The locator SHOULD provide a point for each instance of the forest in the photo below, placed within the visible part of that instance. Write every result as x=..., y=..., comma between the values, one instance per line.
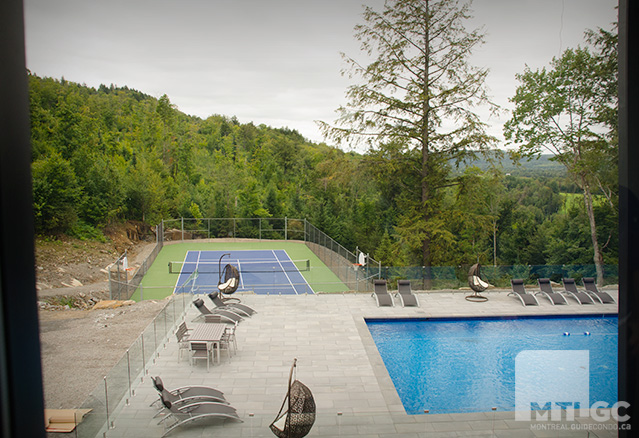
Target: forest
x=432, y=189
x=114, y=154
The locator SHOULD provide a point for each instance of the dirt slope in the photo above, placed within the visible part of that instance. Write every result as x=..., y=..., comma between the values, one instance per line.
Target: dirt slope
x=79, y=345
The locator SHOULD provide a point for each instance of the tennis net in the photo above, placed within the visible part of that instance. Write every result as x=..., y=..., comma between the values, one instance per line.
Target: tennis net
x=189, y=286
x=252, y=266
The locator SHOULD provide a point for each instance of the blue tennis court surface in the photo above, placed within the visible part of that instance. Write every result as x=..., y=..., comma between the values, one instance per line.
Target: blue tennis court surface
x=261, y=271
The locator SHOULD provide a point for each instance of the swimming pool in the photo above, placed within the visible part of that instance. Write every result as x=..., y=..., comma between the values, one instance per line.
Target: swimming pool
x=468, y=365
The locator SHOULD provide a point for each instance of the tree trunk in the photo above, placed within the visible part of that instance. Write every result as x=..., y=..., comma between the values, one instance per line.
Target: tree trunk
x=597, y=256
x=426, y=256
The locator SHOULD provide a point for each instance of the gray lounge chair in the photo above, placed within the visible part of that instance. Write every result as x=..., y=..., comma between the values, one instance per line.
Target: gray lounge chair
x=570, y=289
x=187, y=394
x=383, y=298
x=546, y=290
x=225, y=315
x=519, y=291
x=242, y=309
x=591, y=288
x=405, y=294
x=195, y=411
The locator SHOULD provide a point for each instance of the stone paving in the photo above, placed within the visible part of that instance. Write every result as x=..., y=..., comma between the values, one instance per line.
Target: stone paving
x=338, y=360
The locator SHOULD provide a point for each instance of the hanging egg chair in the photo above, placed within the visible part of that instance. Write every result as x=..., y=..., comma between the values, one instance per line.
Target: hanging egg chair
x=229, y=279
x=476, y=284
x=297, y=414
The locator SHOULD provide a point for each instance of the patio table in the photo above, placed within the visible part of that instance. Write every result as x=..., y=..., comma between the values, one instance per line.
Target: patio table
x=209, y=332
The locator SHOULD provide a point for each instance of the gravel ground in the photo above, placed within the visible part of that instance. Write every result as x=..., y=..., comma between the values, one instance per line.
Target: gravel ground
x=80, y=346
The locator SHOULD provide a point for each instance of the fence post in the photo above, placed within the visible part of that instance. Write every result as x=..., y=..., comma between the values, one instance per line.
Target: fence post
x=285, y=228
x=260, y=227
x=182, y=226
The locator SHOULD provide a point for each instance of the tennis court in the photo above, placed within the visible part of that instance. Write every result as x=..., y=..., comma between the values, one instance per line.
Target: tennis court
x=261, y=271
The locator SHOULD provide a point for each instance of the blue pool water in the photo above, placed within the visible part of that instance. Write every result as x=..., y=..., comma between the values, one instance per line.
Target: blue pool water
x=468, y=365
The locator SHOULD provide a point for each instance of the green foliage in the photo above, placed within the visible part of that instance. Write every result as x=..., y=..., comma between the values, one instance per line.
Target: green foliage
x=84, y=231
x=569, y=110
x=116, y=154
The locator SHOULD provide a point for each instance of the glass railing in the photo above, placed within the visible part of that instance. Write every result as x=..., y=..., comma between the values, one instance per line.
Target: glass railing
x=118, y=386
x=455, y=277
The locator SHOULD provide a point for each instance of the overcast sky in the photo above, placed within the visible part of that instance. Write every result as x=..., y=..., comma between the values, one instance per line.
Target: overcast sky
x=272, y=62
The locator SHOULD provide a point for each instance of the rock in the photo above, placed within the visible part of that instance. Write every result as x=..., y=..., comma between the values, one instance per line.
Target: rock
x=41, y=285
x=76, y=283
x=112, y=304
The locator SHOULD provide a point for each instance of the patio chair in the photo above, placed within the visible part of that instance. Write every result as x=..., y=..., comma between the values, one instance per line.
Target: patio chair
x=182, y=335
x=225, y=315
x=298, y=418
x=226, y=343
x=405, y=294
x=570, y=289
x=591, y=288
x=186, y=394
x=242, y=309
x=195, y=411
x=201, y=350
x=476, y=284
x=545, y=288
x=383, y=298
x=519, y=291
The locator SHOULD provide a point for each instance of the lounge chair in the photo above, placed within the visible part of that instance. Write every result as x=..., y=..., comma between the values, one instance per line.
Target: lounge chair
x=383, y=298
x=546, y=290
x=405, y=294
x=520, y=292
x=591, y=288
x=225, y=315
x=570, y=289
x=242, y=309
x=187, y=394
x=195, y=411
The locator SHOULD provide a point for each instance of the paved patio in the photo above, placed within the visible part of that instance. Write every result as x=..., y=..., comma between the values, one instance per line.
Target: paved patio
x=338, y=361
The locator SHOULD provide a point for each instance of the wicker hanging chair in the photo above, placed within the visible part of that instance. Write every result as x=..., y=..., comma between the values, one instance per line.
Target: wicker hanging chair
x=476, y=284
x=297, y=419
x=229, y=279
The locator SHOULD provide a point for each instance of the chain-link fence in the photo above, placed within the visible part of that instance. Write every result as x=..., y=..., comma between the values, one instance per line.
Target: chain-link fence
x=356, y=271
x=123, y=279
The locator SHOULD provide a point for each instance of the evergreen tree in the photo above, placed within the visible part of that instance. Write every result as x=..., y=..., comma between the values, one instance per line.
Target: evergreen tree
x=416, y=100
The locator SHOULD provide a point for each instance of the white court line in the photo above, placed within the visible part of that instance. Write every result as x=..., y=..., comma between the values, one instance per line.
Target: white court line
x=239, y=268
x=285, y=273
x=283, y=270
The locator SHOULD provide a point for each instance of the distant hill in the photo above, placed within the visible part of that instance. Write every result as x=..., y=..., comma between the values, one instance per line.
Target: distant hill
x=542, y=166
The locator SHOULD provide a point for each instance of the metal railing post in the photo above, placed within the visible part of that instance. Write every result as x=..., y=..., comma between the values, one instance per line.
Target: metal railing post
x=106, y=403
